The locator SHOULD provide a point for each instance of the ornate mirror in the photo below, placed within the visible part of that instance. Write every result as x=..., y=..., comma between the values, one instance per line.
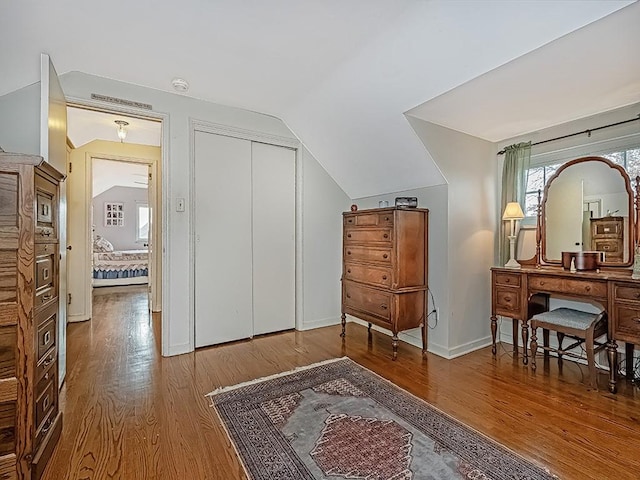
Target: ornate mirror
x=588, y=205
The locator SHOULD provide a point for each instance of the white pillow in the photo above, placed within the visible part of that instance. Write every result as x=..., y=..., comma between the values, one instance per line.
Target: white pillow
x=101, y=244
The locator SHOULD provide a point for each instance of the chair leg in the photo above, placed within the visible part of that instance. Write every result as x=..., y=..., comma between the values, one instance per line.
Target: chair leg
x=591, y=361
x=560, y=336
x=545, y=341
x=534, y=347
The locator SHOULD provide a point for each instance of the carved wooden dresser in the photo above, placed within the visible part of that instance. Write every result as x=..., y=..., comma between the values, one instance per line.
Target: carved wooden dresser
x=30, y=418
x=520, y=293
x=384, y=275
x=607, y=236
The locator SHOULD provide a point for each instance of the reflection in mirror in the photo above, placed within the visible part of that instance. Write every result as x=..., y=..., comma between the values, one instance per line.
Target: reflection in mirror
x=586, y=208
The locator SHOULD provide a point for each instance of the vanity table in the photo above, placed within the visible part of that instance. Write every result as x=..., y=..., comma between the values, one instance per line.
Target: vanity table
x=521, y=293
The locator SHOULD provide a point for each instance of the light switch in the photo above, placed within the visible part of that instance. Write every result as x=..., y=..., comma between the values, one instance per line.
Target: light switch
x=179, y=204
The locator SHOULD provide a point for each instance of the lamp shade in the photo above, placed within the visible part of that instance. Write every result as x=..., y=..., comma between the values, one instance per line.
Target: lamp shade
x=513, y=211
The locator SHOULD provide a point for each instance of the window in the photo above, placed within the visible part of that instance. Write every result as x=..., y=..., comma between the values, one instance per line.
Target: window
x=142, y=226
x=539, y=175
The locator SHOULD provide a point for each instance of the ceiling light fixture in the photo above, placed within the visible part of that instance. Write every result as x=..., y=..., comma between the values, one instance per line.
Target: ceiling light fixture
x=122, y=132
x=180, y=85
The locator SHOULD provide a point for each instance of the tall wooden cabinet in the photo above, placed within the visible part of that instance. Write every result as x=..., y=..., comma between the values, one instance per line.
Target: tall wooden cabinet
x=30, y=420
x=384, y=274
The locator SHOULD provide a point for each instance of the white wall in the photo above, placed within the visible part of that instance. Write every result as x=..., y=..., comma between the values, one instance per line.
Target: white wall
x=20, y=120
x=122, y=237
x=325, y=201
x=468, y=165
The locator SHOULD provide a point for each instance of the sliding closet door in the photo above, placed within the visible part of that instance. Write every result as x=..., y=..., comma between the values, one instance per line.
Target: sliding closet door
x=223, y=267
x=273, y=179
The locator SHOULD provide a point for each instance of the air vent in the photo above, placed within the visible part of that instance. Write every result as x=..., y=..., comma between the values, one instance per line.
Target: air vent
x=121, y=101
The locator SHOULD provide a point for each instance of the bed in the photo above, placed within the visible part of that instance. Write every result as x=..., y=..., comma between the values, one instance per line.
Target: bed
x=120, y=267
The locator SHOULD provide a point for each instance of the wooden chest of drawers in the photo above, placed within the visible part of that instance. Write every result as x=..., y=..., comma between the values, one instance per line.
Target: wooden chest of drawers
x=29, y=254
x=384, y=276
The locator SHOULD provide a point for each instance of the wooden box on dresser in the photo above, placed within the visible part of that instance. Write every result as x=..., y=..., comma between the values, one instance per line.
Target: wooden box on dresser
x=384, y=274
x=30, y=420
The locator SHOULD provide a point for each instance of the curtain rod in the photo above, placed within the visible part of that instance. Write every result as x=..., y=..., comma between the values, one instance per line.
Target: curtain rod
x=588, y=132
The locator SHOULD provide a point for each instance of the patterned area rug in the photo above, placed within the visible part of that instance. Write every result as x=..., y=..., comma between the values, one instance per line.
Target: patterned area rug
x=336, y=420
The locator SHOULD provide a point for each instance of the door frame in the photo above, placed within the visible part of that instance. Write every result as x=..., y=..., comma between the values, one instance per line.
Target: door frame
x=196, y=125
x=153, y=202
x=162, y=181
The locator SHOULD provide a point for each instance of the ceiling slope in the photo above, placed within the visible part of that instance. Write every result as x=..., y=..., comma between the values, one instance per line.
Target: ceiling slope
x=340, y=74
x=593, y=70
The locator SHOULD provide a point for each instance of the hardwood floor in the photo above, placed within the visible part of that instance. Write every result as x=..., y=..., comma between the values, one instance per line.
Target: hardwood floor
x=131, y=414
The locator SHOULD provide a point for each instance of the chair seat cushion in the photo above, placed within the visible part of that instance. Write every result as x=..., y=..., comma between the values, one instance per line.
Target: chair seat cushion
x=567, y=317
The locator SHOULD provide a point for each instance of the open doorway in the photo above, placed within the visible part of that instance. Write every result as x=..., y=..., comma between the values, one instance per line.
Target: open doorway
x=120, y=226
x=114, y=219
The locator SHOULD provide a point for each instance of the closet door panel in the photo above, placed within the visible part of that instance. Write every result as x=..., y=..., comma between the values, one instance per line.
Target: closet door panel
x=223, y=269
x=273, y=179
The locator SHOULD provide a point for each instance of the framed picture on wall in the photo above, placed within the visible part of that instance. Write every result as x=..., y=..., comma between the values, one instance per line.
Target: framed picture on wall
x=113, y=214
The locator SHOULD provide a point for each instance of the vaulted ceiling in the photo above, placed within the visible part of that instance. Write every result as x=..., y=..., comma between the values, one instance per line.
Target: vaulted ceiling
x=341, y=74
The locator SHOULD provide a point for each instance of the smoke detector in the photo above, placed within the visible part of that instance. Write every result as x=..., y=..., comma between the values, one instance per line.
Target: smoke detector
x=180, y=85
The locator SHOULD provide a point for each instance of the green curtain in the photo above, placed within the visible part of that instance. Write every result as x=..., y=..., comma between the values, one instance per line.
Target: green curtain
x=514, y=186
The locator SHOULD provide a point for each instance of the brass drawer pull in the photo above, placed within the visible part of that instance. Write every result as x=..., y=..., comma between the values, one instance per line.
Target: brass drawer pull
x=386, y=235
x=507, y=299
x=348, y=235
x=46, y=297
x=47, y=232
x=385, y=256
x=350, y=220
x=46, y=338
x=47, y=425
x=48, y=361
x=588, y=288
x=383, y=306
x=384, y=277
x=46, y=376
x=46, y=402
x=508, y=280
x=386, y=219
x=348, y=295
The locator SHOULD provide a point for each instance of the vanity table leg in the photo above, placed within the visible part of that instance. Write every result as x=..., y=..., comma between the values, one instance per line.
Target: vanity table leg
x=394, y=344
x=612, y=355
x=494, y=331
x=344, y=324
x=525, y=341
x=514, y=335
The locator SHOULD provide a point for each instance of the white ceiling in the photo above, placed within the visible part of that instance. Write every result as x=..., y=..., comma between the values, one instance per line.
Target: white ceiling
x=84, y=126
x=340, y=74
x=109, y=173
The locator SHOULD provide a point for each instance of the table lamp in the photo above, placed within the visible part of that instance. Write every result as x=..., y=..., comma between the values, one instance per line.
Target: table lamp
x=512, y=212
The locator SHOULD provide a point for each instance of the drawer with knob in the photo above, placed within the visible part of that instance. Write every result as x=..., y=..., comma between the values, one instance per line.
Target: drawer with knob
x=627, y=322
x=507, y=301
x=368, y=300
x=380, y=236
x=46, y=402
x=596, y=289
x=46, y=336
x=368, y=274
x=510, y=279
x=357, y=253
x=369, y=219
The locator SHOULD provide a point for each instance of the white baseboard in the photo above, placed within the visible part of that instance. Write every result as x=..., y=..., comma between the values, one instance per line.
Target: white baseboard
x=77, y=318
x=323, y=322
x=178, y=349
x=434, y=348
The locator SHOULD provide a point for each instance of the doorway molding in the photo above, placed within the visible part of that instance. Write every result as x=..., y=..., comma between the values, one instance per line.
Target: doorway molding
x=163, y=118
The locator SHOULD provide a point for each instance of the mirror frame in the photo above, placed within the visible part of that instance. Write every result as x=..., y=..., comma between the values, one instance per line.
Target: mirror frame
x=634, y=210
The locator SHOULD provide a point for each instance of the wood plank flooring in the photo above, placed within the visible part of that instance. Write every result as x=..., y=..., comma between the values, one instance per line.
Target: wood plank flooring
x=131, y=414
